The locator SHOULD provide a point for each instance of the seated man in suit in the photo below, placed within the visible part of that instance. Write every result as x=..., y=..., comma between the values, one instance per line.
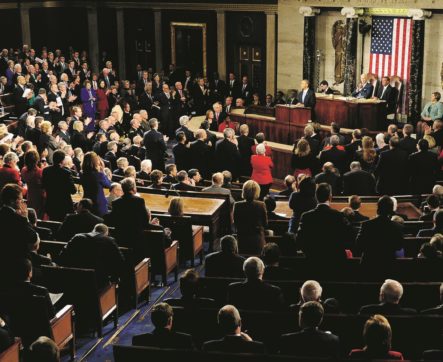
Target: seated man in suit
x=189, y=284
x=354, y=202
x=310, y=341
x=358, y=181
x=183, y=184
x=390, y=295
x=254, y=293
x=234, y=341
x=43, y=233
x=364, y=89
x=439, y=308
x=271, y=257
x=95, y=250
x=430, y=207
x=163, y=336
x=217, y=187
x=44, y=349
x=311, y=291
x=115, y=191
x=324, y=88
x=83, y=221
x=226, y=262
x=331, y=176
x=438, y=226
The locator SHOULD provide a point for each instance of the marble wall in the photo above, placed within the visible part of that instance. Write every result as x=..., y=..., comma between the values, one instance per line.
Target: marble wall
x=290, y=41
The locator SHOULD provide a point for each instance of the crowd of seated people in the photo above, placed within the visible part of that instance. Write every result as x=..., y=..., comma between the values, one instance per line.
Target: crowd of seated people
x=83, y=133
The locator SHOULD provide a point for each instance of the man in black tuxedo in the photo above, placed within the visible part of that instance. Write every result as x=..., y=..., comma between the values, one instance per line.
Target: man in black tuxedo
x=155, y=144
x=234, y=340
x=390, y=295
x=310, y=341
x=245, y=144
x=227, y=156
x=335, y=155
x=233, y=86
x=83, y=221
x=183, y=184
x=94, y=250
x=59, y=186
x=254, y=293
x=391, y=170
x=379, y=239
x=163, y=336
x=407, y=143
x=324, y=88
x=358, y=181
x=388, y=94
x=324, y=245
x=182, y=152
x=129, y=216
x=218, y=88
x=306, y=96
x=423, y=169
x=167, y=117
x=201, y=97
x=246, y=90
x=227, y=262
x=201, y=154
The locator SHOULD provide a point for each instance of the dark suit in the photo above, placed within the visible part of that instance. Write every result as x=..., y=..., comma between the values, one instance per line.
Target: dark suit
x=234, y=344
x=234, y=88
x=386, y=309
x=358, y=183
x=408, y=144
x=255, y=295
x=245, y=144
x=189, y=134
x=163, y=338
x=200, y=158
x=391, y=172
x=181, y=186
x=145, y=101
x=435, y=310
x=327, y=243
x=277, y=273
x=227, y=265
x=390, y=96
x=130, y=219
x=83, y=222
x=167, y=117
x=310, y=342
x=218, y=89
x=246, y=92
x=227, y=157
x=155, y=149
x=365, y=92
x=27, y=289
x=309, y=101
x=338, y=157
x=182, y=156
x=378, y=240
x=94, y=251
x=20, y=102
x=423, y=169
x=59, y=185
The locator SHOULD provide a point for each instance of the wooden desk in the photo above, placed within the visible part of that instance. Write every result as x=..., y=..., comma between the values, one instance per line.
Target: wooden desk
x=368, y=209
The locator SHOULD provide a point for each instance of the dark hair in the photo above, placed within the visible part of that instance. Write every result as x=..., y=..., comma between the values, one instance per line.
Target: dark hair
x=269, y=203
x=335, y=127
x=31, y=159
x=180, y=136
x=323, y=192
x=260, y=137
x=181, y=175
x=307, y=186
x=433, y=201
x=311, y=314
x=428, y=251
x=189, y=283
x=437, y=95
x=324, y=82
x=192, y=172
x=423, y=145
x=270, y=253
x=160, y=314
x=394, y=141
x=228, y=244
x=169, y=168
x=385, y=206
x=355, y=202
x=10, y=193
x=86, y=204
x=58, y=157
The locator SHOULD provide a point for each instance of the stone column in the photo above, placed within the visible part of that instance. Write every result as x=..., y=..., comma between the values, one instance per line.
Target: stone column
x=417, y=52
x=221, y=44
x=309, y=42
x=351, y=48
x=121, y=45
x=158, y=39
x=93, y=38
x=25, y=25
x=270, y=53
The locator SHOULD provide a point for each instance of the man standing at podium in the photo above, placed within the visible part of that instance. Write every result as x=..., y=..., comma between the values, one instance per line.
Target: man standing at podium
x=306, y=97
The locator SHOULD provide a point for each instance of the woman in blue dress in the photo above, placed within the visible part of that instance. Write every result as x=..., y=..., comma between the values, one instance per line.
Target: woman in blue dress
x=93, y=180
x=88, y=97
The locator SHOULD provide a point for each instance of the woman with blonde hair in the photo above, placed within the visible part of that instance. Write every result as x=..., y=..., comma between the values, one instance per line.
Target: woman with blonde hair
x=303, y=161
x=250, y=219
x=176, y=207
x=79, y=138
x=367, y=156
x=47, y=140
x=93, y=180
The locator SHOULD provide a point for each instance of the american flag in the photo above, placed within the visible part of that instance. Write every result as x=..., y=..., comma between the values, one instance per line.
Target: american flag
x=391, y=45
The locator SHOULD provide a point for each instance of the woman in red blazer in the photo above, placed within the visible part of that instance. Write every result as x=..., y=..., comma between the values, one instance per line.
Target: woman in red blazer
x=261, y=170
x=102, y=100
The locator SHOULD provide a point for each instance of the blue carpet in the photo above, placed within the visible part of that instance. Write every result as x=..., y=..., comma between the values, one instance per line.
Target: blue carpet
x=93, y=349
